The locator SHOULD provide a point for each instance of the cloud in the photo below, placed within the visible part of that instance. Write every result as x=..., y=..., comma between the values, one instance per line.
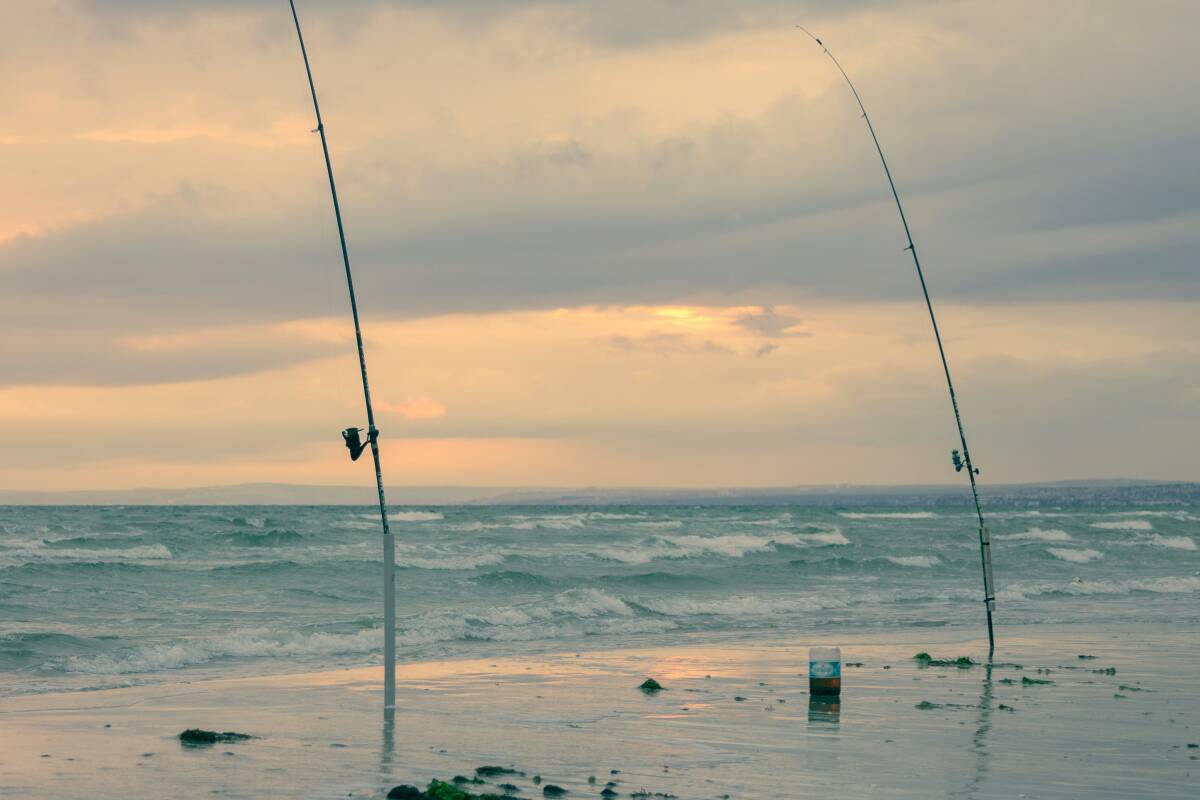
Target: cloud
x=417, y=408
x=165, y=222
x=664, y=343
x=86, y=357
x=767, y=322
x=1043, y=390
x=487, y=180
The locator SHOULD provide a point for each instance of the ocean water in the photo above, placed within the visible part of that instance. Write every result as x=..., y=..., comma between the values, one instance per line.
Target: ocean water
x=97, y=597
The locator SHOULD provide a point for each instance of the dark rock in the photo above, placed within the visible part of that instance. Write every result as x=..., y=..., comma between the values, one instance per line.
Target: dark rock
x=194, y=737
x=508, y=788
x=459, y=780
x=650, y=685
x=609, y=792
x=925, y=705
x=406, y=792
x=495, y=772
x=550, y=790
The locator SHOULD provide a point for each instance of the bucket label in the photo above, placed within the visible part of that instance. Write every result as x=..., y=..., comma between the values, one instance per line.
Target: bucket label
x=824, y=669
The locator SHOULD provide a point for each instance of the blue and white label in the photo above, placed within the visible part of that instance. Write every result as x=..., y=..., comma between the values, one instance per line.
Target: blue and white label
x=824, y=669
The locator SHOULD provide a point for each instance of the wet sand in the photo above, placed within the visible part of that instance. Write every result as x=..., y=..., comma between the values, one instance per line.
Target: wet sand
x=900, y=729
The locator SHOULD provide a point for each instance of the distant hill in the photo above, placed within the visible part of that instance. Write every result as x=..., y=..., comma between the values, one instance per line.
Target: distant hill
x=1032, y=495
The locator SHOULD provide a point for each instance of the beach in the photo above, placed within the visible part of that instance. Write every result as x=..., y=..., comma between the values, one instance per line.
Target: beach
x=734, y=719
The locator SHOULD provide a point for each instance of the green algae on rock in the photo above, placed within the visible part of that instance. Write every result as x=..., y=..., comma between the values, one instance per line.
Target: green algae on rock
x=197, y=737
x=438, y=790
x=650, y=685
x=926, y=660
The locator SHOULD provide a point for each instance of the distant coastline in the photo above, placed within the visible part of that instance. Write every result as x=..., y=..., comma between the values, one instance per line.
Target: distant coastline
x=1101, y=492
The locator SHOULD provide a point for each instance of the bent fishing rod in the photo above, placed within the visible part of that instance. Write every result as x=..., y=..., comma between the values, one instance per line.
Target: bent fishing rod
x=351, y=435
x=963, y=460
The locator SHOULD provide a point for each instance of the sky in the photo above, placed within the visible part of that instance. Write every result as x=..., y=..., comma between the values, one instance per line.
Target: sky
x=597, y=244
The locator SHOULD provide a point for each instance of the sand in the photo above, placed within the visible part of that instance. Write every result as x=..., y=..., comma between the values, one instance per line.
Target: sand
x=899, y=729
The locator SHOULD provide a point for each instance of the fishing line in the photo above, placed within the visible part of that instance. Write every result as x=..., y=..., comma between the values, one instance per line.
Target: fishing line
x=960, y=461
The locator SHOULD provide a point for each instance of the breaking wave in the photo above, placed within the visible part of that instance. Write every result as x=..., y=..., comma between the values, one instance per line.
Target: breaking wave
x=415, y=516
x=1037, y=535
x=1075, y=556
x=1124, y=525
x=887, y=515
x=915, y=561
x=1174, y=542
x=36, y=552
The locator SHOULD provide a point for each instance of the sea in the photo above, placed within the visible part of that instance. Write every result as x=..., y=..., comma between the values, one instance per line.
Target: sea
x=96, y=597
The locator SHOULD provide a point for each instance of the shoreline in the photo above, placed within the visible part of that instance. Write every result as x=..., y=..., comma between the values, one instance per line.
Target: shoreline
x=899, y=728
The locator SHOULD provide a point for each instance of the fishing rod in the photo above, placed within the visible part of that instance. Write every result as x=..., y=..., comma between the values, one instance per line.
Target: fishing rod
x=351, y=435
x=960, y=460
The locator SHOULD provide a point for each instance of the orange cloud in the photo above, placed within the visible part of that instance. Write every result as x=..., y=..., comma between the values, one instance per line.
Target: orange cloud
x=415, y=408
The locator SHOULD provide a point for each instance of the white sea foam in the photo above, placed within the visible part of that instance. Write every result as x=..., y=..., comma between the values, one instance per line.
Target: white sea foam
x=915, y=561
x=834, y=536
x=734, y=545
x=471, y=526
x=1180, y=514
x=663, y=524
x=458, y=562
x=415, y=516
x=558, y=522
x=576, y=612
x=586, y=603
x=1075, y=556
x=19, y=554
x=1174, y=542
x=782, y=519
x=1037, y=535
x=1164, y=585
x=238, y=644
x=355, y=524
x=743, y=606
x=887, y=515
x=1124, y=525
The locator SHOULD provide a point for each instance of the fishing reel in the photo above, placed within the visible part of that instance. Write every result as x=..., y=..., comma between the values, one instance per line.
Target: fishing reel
x=354, y=442
x=956, y=459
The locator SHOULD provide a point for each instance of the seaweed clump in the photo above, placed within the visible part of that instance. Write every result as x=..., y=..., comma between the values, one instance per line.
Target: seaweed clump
x=438, y=790
x=198, y=737
x=926, y=660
